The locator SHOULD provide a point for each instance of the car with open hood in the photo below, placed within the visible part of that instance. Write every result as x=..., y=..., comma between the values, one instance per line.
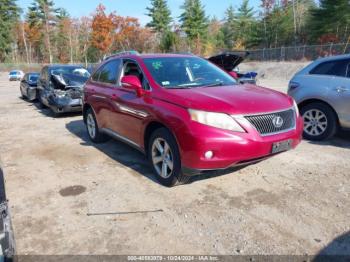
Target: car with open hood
x=186, y=114
x=229, y=61
x=60, y=87
x=7, y=241
x=28, y=86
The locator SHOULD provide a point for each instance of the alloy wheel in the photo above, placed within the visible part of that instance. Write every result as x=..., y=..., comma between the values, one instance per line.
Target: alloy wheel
x=162, y=158
x=315, y=122
x=91, y=126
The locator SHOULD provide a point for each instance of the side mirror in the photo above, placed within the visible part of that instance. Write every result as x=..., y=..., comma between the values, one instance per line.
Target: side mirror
x=133, y=83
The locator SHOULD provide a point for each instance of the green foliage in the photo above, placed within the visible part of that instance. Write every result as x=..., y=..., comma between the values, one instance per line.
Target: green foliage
x=160, y=14
x=9, y=14
x=193, y=20
x=229, y=28
x=168, y=42
x=332, y=17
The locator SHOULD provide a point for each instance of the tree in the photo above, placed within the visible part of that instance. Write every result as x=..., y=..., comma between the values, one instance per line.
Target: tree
x=229, y=28
x=245, y=20
x=160, y=14
x=332, y=17
x=193, y=19
x=43, y=14
x=9, y=14
x=168, y=41
x=102, y=30
x=194, y=22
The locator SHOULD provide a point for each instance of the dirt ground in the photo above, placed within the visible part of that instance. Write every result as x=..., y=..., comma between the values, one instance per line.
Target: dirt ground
x=295, y=203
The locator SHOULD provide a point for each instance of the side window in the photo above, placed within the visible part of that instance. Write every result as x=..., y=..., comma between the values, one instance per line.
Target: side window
x=96, y=75
x=132, y=68
x=110, y=72
x=333, y=68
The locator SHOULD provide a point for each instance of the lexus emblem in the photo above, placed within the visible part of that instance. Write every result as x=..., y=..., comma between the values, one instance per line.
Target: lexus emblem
x=277, y=121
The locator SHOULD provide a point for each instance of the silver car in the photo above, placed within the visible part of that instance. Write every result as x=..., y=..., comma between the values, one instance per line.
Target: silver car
x=322, y=92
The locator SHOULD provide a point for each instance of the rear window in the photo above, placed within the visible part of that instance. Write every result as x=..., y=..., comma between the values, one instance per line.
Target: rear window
x=33, y=78
x=333, y=68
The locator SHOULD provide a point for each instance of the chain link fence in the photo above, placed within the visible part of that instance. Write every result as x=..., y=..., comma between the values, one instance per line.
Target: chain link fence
x=297, y=53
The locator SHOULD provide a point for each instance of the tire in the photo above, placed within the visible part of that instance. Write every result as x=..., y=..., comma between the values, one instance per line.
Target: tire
x=163, y=161
x=325, y=123
x=92, y=129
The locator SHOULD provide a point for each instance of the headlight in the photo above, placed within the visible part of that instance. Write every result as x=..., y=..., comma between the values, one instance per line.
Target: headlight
x=296, y=108
x=59, y=93
x=217, y=120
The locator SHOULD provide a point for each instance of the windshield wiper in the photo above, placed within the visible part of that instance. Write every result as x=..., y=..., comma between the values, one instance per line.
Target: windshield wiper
x=214, y=84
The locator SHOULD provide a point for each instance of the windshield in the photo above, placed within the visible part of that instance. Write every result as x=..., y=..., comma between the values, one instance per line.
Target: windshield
x=79, y=71
x=13, y=73
x=186, y=72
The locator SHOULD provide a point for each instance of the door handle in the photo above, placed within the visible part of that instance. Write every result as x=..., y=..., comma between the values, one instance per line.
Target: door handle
x=341, y=89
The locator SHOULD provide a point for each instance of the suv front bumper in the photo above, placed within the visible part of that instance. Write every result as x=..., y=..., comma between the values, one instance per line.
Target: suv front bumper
x=229, y=149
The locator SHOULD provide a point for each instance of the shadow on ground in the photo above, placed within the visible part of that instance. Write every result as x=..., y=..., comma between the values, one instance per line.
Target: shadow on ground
x=130, y=157
x=342, y=139
x=337, y=250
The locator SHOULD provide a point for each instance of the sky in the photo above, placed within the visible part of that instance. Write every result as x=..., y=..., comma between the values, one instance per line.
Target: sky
x=137, y=8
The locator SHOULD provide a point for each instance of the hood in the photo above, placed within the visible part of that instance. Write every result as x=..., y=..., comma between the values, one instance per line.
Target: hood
x=230, y=60
x=236, y=99
x=66, y=81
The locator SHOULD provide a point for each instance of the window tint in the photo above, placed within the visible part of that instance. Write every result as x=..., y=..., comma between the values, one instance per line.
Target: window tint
x=109, y=72
x=334, y=68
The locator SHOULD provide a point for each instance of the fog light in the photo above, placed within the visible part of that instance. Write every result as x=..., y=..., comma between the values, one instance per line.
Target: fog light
x=209, y=155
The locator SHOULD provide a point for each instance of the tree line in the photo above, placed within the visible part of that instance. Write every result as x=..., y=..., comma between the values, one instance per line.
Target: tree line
x=45, y=33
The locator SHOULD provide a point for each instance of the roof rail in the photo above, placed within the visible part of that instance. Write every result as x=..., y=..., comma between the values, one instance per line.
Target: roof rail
x=131, y=52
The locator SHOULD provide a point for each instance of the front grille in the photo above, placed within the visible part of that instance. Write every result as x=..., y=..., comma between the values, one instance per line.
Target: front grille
x=265, y=123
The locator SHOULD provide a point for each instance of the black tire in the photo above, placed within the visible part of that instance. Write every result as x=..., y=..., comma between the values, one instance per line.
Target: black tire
x=176, y=177
x=332, y=121
x=99, y=136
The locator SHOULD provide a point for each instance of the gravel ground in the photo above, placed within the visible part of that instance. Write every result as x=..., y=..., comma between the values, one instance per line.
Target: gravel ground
x=295, y=203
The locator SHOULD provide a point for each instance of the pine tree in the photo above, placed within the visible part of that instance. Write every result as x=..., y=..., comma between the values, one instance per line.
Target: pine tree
x=194, y=20
x=9, y=14
x=43, y=13
x=160, y=14
x=229, y=28
x=331, y=18
x=245, y=19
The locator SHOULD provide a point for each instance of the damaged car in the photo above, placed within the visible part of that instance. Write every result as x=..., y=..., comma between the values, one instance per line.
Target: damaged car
x=7, y=242
x=60, y=87
x=229, y=61
x=28, y=86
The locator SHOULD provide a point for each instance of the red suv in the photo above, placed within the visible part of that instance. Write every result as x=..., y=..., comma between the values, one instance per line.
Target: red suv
x=186, y=114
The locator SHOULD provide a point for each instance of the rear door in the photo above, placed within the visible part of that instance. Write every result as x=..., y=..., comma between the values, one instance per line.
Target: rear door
x=338, y=95
x=342, y=97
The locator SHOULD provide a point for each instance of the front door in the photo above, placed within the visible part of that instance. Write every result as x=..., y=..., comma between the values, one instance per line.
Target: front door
x=130, y=110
